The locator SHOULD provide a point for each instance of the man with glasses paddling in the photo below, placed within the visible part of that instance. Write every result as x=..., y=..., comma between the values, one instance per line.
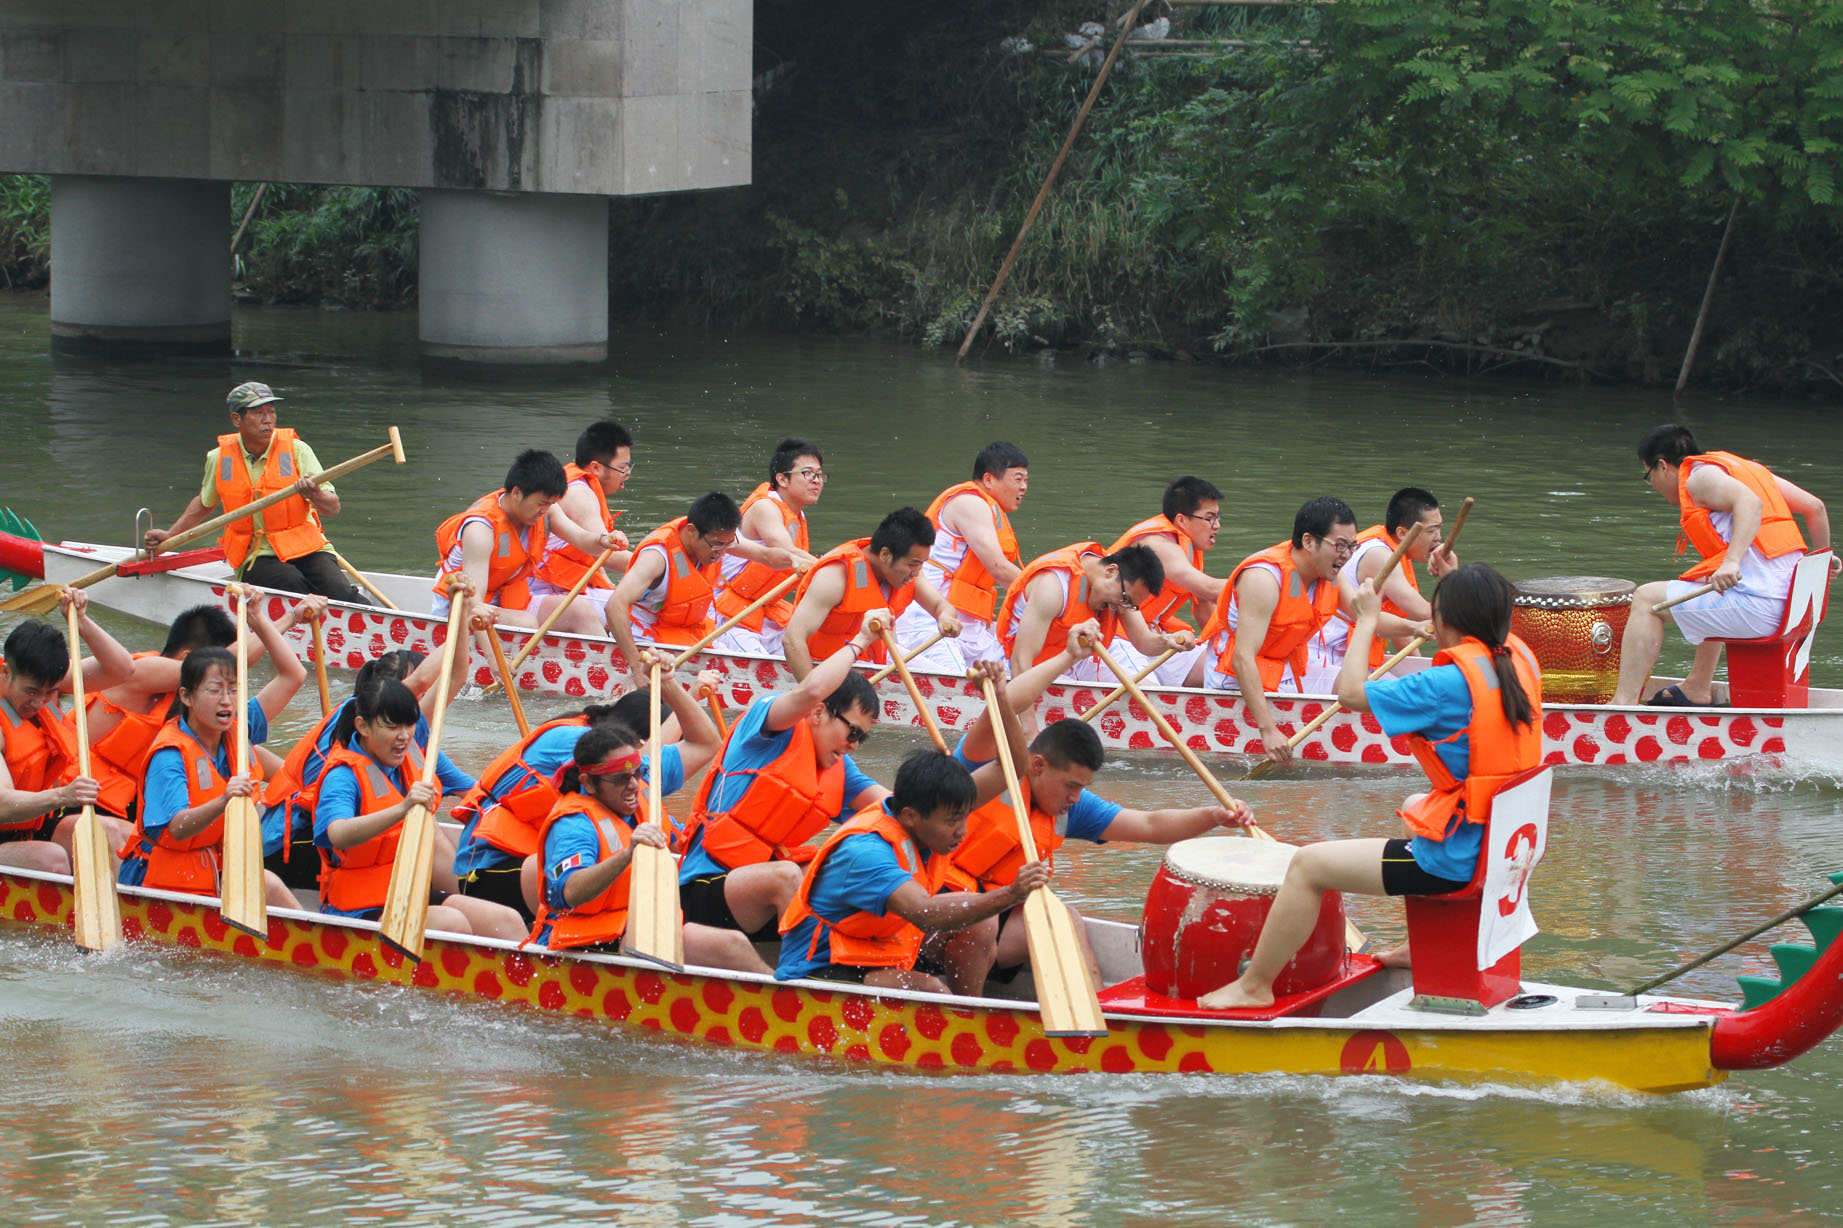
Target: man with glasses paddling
x=782, y=776
x=1401, y=592
x=1070, y=586
x=604, y=460
x=772, y=541
x=284, y=546
x=1258, y=639
x=1180, y=535
x=666, y=595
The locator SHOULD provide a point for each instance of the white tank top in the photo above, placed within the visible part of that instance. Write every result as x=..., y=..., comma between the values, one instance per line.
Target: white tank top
x=949, y=547
x=557, y=543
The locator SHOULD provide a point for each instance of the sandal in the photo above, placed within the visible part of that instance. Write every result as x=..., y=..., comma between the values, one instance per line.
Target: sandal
x=1673, y=697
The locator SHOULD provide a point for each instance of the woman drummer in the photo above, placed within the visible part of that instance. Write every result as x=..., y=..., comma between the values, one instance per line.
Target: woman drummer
x=1473, y=720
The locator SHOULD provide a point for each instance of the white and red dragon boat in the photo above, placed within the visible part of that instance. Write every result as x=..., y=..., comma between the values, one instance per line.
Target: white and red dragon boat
x=1211, y=722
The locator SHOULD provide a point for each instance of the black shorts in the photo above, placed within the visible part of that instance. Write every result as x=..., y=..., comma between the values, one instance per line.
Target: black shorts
x=500, y=885
x=851, y=974
x=302, y=868
x=1402, y=875
x=703, y=902
x=436, y=896
x=44, y=829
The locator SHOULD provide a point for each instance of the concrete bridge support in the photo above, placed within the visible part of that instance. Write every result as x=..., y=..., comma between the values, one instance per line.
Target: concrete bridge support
x=140, y=262
x=514, y=277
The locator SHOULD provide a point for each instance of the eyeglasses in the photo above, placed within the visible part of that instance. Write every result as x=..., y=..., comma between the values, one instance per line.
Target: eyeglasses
x=213, y=690
x=719, y=544
x=1340, y=546
x=1126, y=602
x=858, y=734
x=1214, y=518
x=625, y=470
x=810, y=474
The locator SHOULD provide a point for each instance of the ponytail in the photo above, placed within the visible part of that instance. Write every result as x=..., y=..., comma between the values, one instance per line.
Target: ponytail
x=1477, y=602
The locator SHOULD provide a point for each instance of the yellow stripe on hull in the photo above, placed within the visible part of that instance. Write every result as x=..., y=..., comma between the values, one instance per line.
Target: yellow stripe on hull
x=857, y=1027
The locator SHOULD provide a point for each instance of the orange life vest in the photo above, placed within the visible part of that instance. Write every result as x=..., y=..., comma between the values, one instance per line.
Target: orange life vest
x=1296, y=619
x=292, y=526
x=683, y=618
x=604, y=918
x=970, y=587
x=119, y=757
x=1778, y=533
x=865, y=939
x=190, y=864
x=1162, y=610
x=757, y=578
x=1497, y=749
x=360, y=877
x=863, y=593
x=1075, y=609
x=1378, y=650
x=566, y=564
x=41, y=753
x=991, y=853
x=516, y=796
x=788, y=801
x=517, y=553
x=306, y=758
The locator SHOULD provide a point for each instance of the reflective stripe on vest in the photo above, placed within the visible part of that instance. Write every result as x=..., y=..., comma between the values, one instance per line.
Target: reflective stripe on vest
x=1296, y=619
x=866, y=939
x=290, y=526
x=1496, y=751
x=603, y=918
x=1075, y=608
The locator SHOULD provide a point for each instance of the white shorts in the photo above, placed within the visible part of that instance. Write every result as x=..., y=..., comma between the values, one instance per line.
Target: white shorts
x=766, y=642
x=977, y=642
x=1733, y=615
x=540, y=589
x=1289, y=685
x=1171, y=673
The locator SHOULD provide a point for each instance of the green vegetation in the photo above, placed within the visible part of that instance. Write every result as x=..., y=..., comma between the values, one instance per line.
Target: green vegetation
x=25, y=230
x=1468, y=183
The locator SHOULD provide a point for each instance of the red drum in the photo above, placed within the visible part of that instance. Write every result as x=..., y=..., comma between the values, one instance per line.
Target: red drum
x=1205, y=911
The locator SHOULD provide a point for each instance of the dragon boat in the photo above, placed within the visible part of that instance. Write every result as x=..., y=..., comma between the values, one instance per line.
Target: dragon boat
x=1211, y=722
x=1366, y=1021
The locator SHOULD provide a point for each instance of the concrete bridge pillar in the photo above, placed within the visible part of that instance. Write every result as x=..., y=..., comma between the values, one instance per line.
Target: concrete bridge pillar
x=513, y=278
x=140, y=262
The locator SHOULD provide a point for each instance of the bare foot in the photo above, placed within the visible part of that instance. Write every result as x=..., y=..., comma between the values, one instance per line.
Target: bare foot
x=1394, y=957
x=1234, y=996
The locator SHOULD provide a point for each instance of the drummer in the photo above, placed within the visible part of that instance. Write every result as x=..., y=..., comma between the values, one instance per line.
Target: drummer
x=1055, y=774
x=1401, y=592
x=1737, y=513
x=1473, y=720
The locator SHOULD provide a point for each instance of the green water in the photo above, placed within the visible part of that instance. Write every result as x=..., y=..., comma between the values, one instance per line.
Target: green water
x=153, y=1087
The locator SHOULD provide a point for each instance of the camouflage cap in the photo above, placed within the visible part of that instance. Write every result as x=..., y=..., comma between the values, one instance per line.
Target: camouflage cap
x=249, y=396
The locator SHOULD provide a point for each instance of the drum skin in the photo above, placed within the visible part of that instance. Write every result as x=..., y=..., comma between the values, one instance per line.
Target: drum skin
x=1574, y=625
x=1195, y=937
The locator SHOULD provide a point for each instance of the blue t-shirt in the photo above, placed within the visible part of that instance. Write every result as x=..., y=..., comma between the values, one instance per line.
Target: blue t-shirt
x=164, y=784
x=858, y=875
x=752, y=746
x=1088, y=819
x=1435, y=703
x=548, y=753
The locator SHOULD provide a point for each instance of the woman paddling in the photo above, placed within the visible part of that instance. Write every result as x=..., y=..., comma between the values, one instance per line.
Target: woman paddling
x=371, y=783
x=1473, y=720
x=178, y=836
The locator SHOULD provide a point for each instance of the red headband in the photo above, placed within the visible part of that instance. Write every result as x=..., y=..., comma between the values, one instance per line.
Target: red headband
x=627, y=762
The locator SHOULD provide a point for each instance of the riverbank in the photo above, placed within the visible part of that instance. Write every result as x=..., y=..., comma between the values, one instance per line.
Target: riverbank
x=1375, y=184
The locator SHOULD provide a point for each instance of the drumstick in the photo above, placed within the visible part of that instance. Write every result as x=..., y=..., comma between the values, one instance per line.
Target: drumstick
x=1701, y=590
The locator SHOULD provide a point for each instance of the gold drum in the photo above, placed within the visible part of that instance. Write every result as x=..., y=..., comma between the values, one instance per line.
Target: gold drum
x=1575, y=624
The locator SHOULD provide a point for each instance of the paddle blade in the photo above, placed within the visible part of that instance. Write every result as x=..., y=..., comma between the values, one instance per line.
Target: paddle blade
x=15, y=525
x=37, y=602
x=244, y=903
x=655, y=923
x=1066, y=995
x=98, y=912
x=405, y=920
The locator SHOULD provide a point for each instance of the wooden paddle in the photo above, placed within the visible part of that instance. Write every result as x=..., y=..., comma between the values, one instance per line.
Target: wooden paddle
x=655, y=922
x=97, y=912
x=908, y=681
x=364, y=582
x=917, y=651
x=716, y=710
x=1118, y=691
x=326, y=691
x=1066, y=995
x=405, y=919
x=1267, y=765
x=43, y=598
x=1354, y=938
x=243, y=902
x=504, y=670
x=741, y=614
x=537, y=637
x=1701, y=590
